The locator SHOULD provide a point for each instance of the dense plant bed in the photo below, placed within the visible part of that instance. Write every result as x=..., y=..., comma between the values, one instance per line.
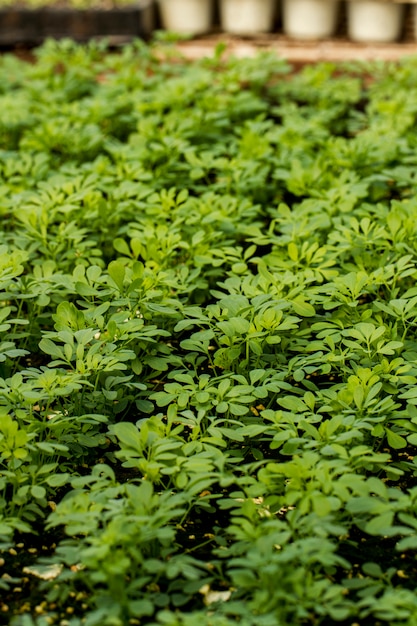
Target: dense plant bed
x=208, y=357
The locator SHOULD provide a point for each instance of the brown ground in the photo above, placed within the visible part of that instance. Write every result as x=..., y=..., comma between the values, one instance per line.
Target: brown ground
x=300, y=52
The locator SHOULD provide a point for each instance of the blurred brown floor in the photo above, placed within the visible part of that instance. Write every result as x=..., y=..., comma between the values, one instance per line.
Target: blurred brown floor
x=300, y=52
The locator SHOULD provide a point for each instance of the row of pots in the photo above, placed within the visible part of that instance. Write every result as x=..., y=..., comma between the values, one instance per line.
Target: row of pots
x=367, y=20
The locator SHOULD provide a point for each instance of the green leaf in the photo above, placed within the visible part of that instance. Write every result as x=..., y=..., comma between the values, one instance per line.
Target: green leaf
x=117, y=272
x=128, y=435
x=293, y=251
x=49, y=347
x=38, y=492
x=381, y=524
x=412, y=439
x=58, y=480
x=372, y=569
x=305, y=309
x=237, y=409
x=121, y=246
x=394, y=440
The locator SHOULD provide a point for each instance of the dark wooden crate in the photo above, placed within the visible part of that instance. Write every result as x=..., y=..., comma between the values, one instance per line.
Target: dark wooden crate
x=32, y=26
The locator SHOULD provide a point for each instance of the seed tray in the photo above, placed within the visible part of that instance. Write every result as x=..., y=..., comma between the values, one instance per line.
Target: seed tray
x=32, y=26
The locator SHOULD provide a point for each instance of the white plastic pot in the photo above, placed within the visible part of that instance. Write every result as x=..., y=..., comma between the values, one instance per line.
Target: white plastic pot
x=186, y=16
x=310, y=19
x=374, y=20
x=246, y=17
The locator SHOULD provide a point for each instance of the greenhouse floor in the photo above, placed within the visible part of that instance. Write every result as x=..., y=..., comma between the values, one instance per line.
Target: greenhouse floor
x=299, y=52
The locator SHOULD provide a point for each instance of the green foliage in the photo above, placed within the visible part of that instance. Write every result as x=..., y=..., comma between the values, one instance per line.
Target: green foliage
x=208, y=346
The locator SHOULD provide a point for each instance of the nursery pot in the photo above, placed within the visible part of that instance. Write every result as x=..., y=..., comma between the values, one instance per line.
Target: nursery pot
x=186, y=16
x=310, y=19
x=247, y=17
x=374, y=20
